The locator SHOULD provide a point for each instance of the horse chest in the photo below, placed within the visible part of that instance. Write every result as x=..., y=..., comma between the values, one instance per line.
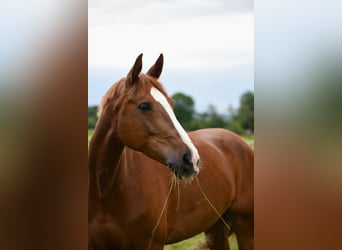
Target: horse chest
x=105, y=232
x=124, y=218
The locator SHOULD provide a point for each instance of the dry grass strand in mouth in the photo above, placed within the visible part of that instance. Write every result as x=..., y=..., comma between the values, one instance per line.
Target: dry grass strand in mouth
x=174, y=182
x=212, y=206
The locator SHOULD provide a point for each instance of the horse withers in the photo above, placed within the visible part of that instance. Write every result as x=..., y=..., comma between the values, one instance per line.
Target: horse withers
x=152, y=184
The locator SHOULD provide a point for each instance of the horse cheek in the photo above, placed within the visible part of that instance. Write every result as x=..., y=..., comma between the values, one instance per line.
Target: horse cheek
x=131, y=134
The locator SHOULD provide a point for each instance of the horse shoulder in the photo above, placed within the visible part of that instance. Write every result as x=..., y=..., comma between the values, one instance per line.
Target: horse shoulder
x=239, y=158
x=146, y=189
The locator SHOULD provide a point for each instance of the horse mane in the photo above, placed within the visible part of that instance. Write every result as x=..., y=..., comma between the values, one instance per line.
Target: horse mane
x=114, y=91
x=117, y=92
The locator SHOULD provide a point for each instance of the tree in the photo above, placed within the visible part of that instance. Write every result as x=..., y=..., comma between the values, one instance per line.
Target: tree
x=184, y=109
x=92, y=117
x=214, y=119
x=245, y=113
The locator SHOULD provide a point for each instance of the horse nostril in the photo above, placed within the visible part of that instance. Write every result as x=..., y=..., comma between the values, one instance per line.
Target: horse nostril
x=187, y=159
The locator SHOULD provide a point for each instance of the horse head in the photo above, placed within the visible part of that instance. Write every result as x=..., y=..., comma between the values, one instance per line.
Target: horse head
x=145, y=121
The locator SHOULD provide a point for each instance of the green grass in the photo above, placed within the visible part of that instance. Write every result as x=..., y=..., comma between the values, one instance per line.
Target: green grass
x=90, y=133
x=186, y=244
x=191, y=243
x=249, y=139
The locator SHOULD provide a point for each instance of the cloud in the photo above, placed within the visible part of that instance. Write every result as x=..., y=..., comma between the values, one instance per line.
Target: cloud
x=205, y=44
x=102, y=12
x=200, y=42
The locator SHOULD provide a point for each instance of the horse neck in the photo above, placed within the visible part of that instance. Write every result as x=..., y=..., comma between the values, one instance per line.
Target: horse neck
x=105, y=152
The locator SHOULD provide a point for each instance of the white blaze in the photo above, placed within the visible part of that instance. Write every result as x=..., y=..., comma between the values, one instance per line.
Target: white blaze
x=159, y=97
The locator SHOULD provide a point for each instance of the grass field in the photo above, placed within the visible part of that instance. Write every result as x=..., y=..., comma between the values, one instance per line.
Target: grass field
x=249, y=139
x=90, y=133
x=189, y=244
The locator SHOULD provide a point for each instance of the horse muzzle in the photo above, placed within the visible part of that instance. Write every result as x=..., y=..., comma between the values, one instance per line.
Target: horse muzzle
x=184, y=166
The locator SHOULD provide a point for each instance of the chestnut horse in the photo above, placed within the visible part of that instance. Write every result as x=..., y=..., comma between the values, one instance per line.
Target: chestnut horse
x=152, y=184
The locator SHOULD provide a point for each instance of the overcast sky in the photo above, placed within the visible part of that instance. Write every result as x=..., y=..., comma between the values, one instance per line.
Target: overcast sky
x=207, y=46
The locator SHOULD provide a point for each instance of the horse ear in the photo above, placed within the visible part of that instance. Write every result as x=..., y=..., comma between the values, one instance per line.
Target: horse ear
x=133, y=74
x=157, y=67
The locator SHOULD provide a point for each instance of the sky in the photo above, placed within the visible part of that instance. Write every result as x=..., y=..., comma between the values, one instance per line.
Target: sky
x=208, y=46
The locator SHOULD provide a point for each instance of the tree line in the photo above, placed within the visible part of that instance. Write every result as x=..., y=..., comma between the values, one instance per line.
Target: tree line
x=240, y=120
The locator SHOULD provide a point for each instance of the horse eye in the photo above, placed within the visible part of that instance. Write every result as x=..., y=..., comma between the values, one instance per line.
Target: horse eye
x=145, y=106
